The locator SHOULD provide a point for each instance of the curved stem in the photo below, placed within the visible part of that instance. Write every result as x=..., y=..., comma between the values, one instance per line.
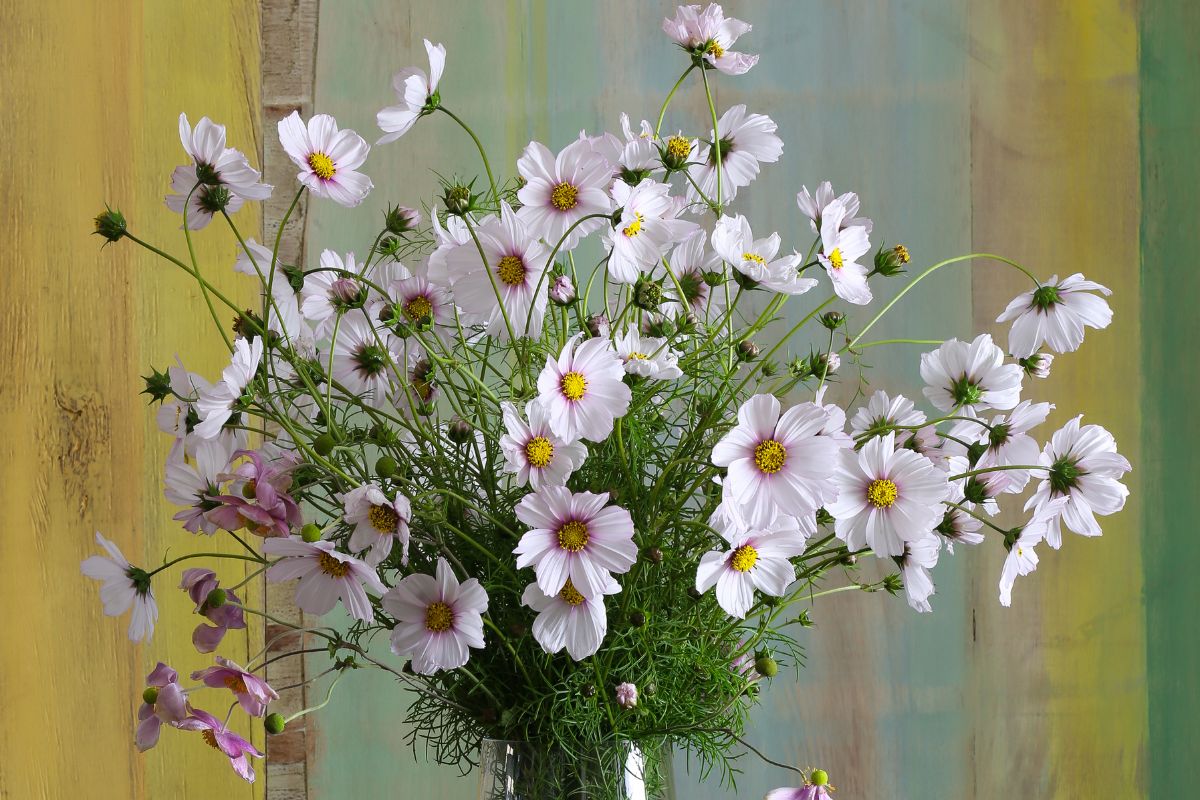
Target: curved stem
x=663, y=111
x=482, y=153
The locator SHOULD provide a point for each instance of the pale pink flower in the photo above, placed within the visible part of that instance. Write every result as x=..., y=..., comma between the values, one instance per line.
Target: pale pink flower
x=378, y=522
x=416, y=92
x=199, y=582
x=326, y=576
x=561, y=190
x=252, y=692
x=584, y=391
x=711, y=34
x=1056, y=314
x=328, y=158
x=627, y=695
x=437, y=619
x=568, y=619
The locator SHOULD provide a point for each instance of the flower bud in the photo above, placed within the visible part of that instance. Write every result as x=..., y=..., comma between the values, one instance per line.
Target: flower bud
x=769, y=368
x=648, y=295
x=833, y=320
x=400, y=219
x=385, y=467
x=110, y=224
x=1037, y=365
x=891, y=262
x=766, y=666
x=562, y=291
x=627, y=695
x=819, y=777
x=150, y=695
x=825, y=364
x=274, y=723
x=389, y=246
x=892, y=583
x=650, y=689
x=676, y=152
x=324, y=444
x=659, y=326
x=654, y=555
x=598, y=326
x=346, y=293
x=799, y=368
x=637, y=619
x=459, y=431
x=588, y=690
x=310, y=533
x=458, y=199
x=215, y=599
x=804, y=620
x=713, y=278
x=748, y=350
x=158, y=385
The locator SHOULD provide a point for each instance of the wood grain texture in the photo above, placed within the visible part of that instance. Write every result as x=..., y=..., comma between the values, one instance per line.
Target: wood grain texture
x=90, y=98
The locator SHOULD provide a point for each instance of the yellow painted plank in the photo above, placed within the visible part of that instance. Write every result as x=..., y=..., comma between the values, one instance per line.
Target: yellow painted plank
x=90, y=98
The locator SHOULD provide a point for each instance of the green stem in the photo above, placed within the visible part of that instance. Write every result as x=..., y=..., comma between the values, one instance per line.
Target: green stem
x=172, y=562
x=482, y=153
x=663, y=111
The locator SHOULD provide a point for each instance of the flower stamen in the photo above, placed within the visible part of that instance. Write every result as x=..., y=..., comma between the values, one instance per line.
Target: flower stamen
x=573, y=536
x=439, y=617
x=332, y=567
x=564, y=196
x=744, y=558
x=383, y=519
x=511, y=270
x=770, y=456
x=573, y=386
x=539, y=451
x=321, y=165
x=882, y=493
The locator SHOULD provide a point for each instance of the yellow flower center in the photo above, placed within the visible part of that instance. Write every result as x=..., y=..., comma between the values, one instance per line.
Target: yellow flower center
x=573, y=386
x=882, y=493
x=383, y=519
x=511, y=270
x=835, y=258
x=570, y=594
x=770, y=456
x=714, y=49
x=755, y=257
x=637, y=357
x=744, y=558
x=331, y=566
x=210, y=736
x=678, y=148
x=539, y=452
x=235, y=683
x=902, y=253
x=321, y=165
x=418, y=308
x=564, y=196
x=635, y=227
x=573, y=536
x=439, y=617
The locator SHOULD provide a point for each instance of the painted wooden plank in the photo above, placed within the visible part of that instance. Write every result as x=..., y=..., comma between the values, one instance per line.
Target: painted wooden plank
x=90, y=101
x=1061, y=675
x=1170, y=128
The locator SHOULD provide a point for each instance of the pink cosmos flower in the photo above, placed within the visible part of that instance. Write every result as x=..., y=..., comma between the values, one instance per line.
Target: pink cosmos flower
x=561, y=190
x=806, y=792
x=191, y=485
x=252, y=692
x=568, y=619
x=627, y=695
x=169, y=706
x=378, y=522
x=325, y=576
x=328, y=158
x=576, y=537
x=198, y=583
x=218, y=737
x=415, y=90
x=438, y=619
x=710, y=33
x=584, y=390
x=272, y=512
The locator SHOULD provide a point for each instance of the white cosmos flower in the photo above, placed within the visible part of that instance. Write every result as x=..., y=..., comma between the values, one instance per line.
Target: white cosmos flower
x=813, y=207
x=205, y=201
x=647, y=228
x=438, y=619
x=122, y=586
x=777, y=464
x=515, y=268
x=835, y=420
x=1007, y=440
x=576, y=537
x=534, y=452
x=1084, y=467
x=361, y=364
x=746, y=140
x=757, y=558
x=734, y=242
x=378, y=522
x=284, y=315
x=970, y=375
x=639, y=152
x=328, y=158
x=190, y=485
x=1055, y=314
x=1022, y=559
x=213, y=165
x=584, y=391
x=883, y=412
x=647, y=357
x=331, y=290
x=689, y=261
x=886, y=497
x=840, y=250
x=325, y=576
x=978, y=491
x=712, y=33
x=455, y=233
x=415, y=90
x=957, y=526
x=178, y=415
x=215, y=404
x=568, y=619
x=560, y=191
x=918, y=558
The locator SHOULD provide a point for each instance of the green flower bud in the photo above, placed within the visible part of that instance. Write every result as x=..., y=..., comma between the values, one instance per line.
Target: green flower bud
x=215, y=599
x=748, y=350
x=458, y=199
x=389, y=247
x=804, y=620
x=819, y=777
x=150, y=695
x=110, y=224
x=399, y=219
x=385, y=467
x=324, y=444
x=158, y=385
x=274, y=723
x=833, y=319
x=459, y=431
x=648, y=295
x=892, y=584
x=310, y=533
x=766, y=666
x=799, y=368
x=713, y=278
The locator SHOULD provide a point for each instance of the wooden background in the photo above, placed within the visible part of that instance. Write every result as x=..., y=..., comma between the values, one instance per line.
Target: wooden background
x=1061, y=133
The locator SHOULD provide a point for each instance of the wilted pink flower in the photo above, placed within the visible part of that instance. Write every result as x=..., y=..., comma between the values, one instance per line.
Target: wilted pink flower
x=273, y=512
x=627, y=695
x=198, y=583
x=218, y=737
x=252, y=692
x=169, y=705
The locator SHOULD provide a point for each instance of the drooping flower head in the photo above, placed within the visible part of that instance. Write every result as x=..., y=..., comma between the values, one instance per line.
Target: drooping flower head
x=332, y=290
x=1055, y=314
x=378, y=522
x=745, y=141
x=199, y=584
x=219, y=177
x=533, y=451
x=584, y=391
x=1005, y=440
x=326, y=576
x=191, y=485
x=123, y=586
x=264, y=506
x=883, y=413
x=252, y=692
x=568, y=619
x=886, y=497
x=560, y=191
x=218, y=737
x=970, y=375
x=1022, y=559
x=576, y=537
x=216, y=404
x=734, y=241
x=710, y=35
x=814, y=207
x=438, y=619
x=165, y=704
x=328, y=158
x=417, y=93
x=778, y=464
x=363, y=362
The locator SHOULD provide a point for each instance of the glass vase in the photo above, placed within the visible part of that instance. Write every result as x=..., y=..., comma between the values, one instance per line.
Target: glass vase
x=514, y=770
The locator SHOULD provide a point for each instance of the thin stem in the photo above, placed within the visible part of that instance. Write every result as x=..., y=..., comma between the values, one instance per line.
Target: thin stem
x=716, y=144
x=172, y=562
x=482, y=153
x=663, y=111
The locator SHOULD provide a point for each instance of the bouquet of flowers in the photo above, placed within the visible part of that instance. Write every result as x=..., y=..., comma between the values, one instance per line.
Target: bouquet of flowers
x=571, y=446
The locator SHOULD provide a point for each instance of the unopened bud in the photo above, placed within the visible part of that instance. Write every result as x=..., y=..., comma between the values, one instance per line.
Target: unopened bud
x=648, y=295
x=324, y=444
x=748, y=350
x=150, y=695
x=766, y=666
x=385, y=467
x=110, y=224
x=654, y=555
x=1037, y=365
x=400, y=219
x=833, y=320
x=562, y=291
x=459, y=431
x=216, y=598
x=274, y=723
x=598, y=325
x=310, y=533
